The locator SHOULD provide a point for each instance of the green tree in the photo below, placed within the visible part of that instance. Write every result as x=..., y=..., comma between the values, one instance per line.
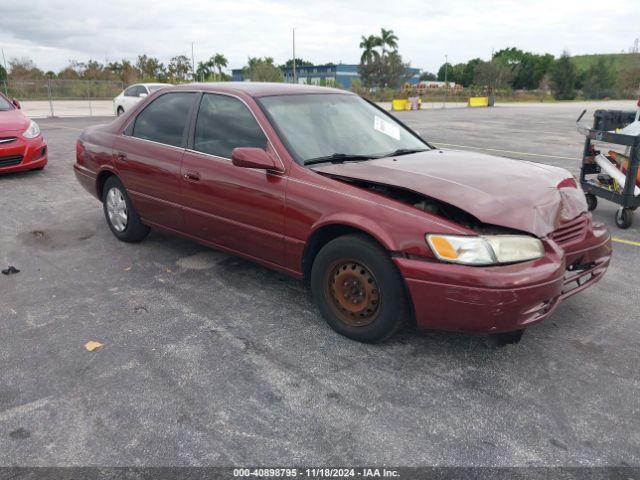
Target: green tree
x=299, y=63
x=23, y=69
x=388, y=39
x=262, y=70
x=385, y=71
x=599, y=80
x=428, y=76
x=3, y=73
x=564, y=78
x=528, y=68
x=151, y=68
x=493, y=75
x=383, y=68
x=368, y=46
x=220, y=62
x=444, y=68
x=466, y=78
x=179, y=69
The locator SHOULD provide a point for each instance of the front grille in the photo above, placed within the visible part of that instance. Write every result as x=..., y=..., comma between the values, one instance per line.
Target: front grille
x=10, y=161
x=5, y=140
x=572, y=231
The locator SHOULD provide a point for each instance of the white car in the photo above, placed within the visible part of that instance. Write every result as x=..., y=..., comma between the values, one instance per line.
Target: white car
x=133, y=94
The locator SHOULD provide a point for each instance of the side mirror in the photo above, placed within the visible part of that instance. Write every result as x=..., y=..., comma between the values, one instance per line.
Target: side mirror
x=249, y=157
x=16, y=103
x=142, y=95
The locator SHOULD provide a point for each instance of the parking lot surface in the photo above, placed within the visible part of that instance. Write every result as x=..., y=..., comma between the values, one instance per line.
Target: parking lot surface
x=209, y=359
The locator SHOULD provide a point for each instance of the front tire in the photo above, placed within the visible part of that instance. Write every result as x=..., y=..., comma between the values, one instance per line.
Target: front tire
x=119, y=111
x=122, y=218
x=358, y=289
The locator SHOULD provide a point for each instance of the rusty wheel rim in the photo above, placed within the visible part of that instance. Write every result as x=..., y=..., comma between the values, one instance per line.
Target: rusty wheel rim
x=353, y=293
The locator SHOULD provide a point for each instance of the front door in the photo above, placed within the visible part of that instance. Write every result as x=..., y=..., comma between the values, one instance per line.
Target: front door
x=238, y=208
x=148, y=157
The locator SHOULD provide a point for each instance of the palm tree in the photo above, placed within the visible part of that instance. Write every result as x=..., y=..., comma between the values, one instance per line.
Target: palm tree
x=220, y=61
x=388, y=39
x=368, y=45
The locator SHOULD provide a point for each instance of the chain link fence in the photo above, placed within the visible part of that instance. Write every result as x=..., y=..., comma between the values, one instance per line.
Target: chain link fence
x=46, y=96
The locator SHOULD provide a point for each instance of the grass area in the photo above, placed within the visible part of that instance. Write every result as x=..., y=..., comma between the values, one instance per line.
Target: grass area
x=619, y=61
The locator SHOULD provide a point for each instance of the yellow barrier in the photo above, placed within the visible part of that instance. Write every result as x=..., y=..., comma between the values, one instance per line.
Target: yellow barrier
x=478, y=102
x=399, y=104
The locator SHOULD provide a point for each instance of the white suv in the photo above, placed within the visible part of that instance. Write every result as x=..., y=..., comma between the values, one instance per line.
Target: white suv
x=133, y=94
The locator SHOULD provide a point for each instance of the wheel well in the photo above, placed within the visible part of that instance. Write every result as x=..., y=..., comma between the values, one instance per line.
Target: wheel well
x=320, y=238
x=101, y=180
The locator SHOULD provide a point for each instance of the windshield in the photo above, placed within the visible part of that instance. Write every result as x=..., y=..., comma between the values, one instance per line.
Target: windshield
x=321, y=125
x=5, y=104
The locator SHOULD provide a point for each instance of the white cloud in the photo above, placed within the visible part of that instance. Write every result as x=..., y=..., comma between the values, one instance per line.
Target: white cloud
x=52, y=32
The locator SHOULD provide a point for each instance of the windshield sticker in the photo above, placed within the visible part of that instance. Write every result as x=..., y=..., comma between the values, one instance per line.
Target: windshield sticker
x=385, y=127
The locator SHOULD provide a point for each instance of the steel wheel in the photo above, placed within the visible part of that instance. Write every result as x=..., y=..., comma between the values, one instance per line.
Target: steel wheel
x=353, y=293
x=117, y=209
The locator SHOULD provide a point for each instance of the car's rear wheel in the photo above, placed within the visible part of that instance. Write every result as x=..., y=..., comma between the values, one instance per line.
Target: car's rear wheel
x=120, y=111
x=122, y=218
x=358, y=289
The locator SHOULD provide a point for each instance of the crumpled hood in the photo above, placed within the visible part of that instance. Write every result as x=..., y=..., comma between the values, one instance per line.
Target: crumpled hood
x=13, y=121
x=500, y=191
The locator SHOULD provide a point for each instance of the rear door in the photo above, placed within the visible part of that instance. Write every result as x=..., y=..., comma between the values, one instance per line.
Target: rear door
x=148, y=157
x=238, y=208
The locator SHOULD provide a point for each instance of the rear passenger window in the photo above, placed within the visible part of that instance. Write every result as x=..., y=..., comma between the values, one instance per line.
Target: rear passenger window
x=225, y=123
x=164, y=119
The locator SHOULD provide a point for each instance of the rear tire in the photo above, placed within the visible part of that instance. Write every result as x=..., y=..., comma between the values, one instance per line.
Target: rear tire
x=122, y=218
x=358, y=289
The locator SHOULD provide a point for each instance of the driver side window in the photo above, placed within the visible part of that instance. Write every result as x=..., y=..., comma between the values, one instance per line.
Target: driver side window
x=223, y=124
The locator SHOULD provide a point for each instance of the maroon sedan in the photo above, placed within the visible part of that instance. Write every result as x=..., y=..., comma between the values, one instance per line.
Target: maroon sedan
x=21, y=144
x=326, y=187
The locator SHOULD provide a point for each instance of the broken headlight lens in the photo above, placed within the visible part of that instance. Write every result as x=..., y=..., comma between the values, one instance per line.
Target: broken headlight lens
x=485, y=250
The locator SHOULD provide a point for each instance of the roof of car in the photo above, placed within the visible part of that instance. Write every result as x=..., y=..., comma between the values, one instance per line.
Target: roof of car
x=260, y=89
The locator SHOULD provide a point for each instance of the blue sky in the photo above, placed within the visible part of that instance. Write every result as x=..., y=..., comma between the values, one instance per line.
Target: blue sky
x=52, y=32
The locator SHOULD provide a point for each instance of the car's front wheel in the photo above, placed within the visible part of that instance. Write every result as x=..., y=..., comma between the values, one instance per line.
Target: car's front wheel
x=122, y=218
x=120, y=111
x=358, y=289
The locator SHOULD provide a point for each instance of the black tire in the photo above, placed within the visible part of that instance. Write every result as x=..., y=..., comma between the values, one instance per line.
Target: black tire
x=381, y=298
x=133, y=229
x=120, y=111
x=624, y=217
x=592, y=201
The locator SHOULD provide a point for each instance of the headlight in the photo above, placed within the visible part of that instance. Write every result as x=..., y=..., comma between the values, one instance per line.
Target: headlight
x=486, y=249
x=32, y=131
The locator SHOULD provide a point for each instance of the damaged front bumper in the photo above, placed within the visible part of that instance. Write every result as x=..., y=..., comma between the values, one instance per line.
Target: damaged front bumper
x=504, y=298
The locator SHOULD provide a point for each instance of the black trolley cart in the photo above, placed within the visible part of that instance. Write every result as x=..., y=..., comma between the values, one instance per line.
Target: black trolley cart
x=604, y=122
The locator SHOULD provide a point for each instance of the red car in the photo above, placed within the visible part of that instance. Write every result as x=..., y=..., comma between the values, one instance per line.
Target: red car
x=22, y=146
x=327, y=187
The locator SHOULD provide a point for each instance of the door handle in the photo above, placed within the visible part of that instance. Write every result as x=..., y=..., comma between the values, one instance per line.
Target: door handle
x=190, y=176
x=121, y=156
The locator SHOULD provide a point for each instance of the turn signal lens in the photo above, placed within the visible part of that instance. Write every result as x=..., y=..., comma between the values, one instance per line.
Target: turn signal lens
x=460, y=249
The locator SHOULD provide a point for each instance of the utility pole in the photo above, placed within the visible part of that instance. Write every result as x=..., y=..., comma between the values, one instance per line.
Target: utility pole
x=294, y=57
x=446, y=86
x=193, y=64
